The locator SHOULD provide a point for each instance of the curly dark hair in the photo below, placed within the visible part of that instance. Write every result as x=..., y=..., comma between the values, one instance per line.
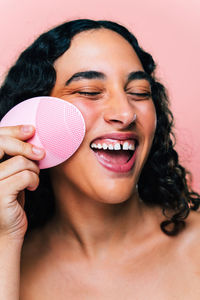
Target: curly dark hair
x=162, y=181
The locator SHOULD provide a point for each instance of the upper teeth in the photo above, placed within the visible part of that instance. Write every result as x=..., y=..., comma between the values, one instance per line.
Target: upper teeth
x=117, y=146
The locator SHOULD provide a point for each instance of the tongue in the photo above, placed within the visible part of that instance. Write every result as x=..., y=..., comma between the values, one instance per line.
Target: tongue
x=118, y=157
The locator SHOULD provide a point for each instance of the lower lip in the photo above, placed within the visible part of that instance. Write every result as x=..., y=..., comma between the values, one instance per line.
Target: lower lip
x=127, y=167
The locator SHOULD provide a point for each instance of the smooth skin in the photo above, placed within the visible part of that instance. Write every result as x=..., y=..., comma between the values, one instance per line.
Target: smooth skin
x=103, y=242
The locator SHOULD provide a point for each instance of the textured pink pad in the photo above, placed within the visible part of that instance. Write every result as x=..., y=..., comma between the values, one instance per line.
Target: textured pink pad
x=60, y=127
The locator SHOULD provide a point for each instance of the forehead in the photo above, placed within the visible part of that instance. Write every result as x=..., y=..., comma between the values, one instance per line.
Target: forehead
x=101, y=50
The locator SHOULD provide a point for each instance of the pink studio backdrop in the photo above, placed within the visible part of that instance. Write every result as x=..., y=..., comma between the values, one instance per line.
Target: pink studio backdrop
x=169, y=30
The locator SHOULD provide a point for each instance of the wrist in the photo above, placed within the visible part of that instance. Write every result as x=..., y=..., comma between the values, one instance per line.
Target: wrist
x=10, y=241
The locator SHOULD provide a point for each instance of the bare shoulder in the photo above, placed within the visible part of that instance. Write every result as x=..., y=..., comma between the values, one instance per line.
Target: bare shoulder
x=192, y=228
x=175, y=259
x=33, y=251
x=189, y=240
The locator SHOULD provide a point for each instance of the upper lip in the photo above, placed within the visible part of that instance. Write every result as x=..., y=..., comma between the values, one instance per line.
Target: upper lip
x=118, y=136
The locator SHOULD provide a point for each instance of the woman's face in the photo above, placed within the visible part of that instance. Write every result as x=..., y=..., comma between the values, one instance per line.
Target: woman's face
x=109, y=94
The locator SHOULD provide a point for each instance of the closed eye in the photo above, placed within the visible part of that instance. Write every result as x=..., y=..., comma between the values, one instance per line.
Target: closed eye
x=135, y=96
x=97, y=93
x=89, y=93
x=141, y=95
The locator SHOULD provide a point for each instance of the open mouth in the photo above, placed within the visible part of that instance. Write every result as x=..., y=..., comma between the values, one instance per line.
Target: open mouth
x=115, y=155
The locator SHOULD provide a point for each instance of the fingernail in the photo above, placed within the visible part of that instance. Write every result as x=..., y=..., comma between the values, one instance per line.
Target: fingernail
x=37, y=151
x=27, y=128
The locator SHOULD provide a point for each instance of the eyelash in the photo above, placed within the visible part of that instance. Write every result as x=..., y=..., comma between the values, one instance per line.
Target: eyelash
x=144, y=95
x=90, y=94
x=140, y=95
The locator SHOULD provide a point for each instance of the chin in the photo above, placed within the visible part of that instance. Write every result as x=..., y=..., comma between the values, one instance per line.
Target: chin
x=114, y=197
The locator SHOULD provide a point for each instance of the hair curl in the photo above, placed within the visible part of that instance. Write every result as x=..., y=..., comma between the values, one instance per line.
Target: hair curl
x=162, y=181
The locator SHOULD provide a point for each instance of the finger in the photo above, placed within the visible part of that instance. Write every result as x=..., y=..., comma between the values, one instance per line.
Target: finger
x=15, y=165
x=21, y=132
x=12, y=146
x=11, y=186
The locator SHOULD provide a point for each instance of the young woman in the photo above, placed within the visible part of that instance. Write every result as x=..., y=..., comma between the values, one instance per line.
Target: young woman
x=107, y=223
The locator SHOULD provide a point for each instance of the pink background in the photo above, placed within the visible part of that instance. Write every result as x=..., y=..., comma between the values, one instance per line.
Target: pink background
x=169, y=30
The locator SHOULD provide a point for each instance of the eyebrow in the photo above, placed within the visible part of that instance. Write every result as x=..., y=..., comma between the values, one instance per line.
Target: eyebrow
x=138, y=75
x=86, y=75
x=99, y=75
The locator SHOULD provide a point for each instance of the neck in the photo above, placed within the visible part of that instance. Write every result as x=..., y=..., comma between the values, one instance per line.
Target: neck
x=96, y=227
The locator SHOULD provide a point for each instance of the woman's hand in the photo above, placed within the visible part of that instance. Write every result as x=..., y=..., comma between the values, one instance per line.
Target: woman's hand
x=17, y=172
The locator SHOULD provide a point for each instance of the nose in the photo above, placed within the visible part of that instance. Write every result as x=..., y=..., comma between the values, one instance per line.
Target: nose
x=119, y=111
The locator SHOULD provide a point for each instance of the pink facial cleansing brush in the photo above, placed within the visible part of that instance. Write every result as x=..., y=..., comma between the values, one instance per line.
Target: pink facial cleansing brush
x=60, y=127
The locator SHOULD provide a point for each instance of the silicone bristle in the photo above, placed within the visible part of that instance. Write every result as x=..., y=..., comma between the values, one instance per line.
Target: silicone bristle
x=61, y=128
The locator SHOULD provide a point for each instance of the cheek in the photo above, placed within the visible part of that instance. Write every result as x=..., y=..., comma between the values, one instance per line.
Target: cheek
x=148, y=118
x=89, y=111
